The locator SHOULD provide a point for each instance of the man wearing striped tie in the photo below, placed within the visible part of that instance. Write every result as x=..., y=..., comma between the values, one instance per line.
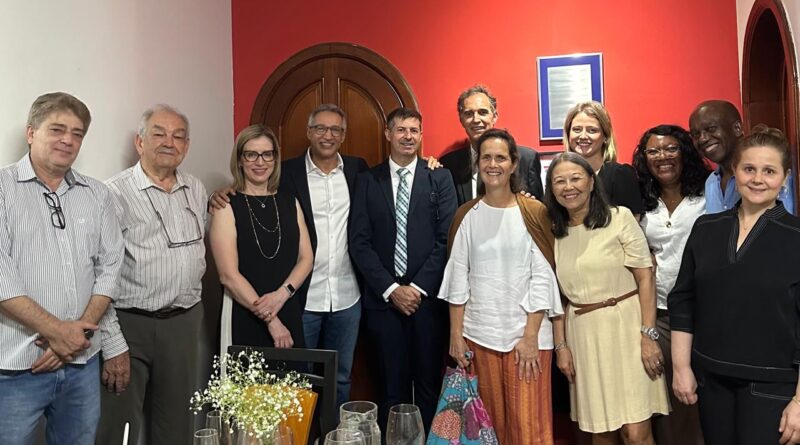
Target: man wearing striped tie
x=401, y=213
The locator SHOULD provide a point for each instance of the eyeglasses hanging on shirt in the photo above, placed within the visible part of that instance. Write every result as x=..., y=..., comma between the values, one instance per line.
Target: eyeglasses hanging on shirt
x=174, y=240
x=57, y=214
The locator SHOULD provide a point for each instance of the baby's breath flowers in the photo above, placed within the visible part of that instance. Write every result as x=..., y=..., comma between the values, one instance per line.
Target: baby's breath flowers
x=248, y=396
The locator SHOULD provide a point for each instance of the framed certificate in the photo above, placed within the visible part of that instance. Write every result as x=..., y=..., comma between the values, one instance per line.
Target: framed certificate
x=563, y=82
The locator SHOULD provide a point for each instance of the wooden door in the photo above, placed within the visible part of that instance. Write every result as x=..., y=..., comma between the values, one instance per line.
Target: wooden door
x=364, y=84
x=769, y=74
x=367, y=87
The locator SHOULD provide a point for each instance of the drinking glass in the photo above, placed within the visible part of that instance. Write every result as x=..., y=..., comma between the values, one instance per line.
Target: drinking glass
x=215, y=421
x=405, y=426
x=206, y=436
x=344, y=437
x=369, y=428
x=283, y=435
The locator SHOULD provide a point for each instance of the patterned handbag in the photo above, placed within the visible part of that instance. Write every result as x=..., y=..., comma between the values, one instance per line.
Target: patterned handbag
x=460, y=415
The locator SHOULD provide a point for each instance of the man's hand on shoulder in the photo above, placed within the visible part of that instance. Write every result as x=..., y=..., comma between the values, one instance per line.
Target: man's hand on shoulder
x=219, y=199
x=433, y=163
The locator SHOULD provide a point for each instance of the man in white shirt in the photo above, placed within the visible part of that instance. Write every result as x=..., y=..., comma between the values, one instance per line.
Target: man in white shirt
x=322, y=180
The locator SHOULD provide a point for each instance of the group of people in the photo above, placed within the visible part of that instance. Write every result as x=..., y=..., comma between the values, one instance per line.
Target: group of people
x=649, y=288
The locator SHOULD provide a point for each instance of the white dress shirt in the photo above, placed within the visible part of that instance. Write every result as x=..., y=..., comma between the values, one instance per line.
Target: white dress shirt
x=497, y=270
x=666, y=235
x=393, y=168
x=473, y=155
x=333, y=285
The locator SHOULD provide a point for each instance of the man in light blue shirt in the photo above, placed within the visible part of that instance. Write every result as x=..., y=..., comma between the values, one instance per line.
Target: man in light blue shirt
x=716, y=127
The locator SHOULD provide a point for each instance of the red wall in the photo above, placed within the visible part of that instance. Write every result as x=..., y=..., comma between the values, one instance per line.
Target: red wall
x=660, y=57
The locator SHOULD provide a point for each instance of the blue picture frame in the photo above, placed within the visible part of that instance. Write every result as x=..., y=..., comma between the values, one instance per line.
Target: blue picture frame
x=548, y=67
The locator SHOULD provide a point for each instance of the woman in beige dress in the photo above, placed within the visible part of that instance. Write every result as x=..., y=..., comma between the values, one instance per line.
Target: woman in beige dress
x=609, y=351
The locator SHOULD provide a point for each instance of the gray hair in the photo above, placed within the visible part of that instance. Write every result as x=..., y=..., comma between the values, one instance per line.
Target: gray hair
x=331, y=108
x=145, y=119
x=473, y=90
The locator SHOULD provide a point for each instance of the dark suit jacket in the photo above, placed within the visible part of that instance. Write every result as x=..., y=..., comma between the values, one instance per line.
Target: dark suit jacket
x=458, y=162
x=373, y=230
x=294, y=180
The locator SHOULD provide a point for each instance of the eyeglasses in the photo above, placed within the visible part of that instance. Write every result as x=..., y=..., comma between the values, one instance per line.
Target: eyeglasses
x=57, y=214
x=252, y=156
x=667, y=152
x=170, y=242
x=320, y=130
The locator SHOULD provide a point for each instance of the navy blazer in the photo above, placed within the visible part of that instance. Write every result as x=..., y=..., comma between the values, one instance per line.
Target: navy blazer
x=530, y=172
x=373, y=230
x=294, y=180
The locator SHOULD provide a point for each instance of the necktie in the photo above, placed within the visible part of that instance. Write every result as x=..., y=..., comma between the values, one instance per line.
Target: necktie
x=401, y=216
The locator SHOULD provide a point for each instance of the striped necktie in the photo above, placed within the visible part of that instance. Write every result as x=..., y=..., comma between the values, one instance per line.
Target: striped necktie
x=401, y=216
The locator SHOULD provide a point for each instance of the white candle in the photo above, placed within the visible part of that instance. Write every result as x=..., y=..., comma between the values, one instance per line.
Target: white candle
x=125, y=434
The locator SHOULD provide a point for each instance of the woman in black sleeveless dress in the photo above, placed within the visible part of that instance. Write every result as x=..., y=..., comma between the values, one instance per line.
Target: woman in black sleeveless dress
x=262, y=249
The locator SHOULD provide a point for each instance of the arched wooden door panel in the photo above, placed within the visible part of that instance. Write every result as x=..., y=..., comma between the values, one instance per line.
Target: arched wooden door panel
x=366, y=86
x=360, y=81
x=769, y=74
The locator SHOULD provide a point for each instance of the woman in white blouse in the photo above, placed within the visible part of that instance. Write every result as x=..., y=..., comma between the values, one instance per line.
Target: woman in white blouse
x=671, y=177
x=502, y=290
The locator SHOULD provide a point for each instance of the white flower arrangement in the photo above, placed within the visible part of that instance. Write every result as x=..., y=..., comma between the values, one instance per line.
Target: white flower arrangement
x=248, y=396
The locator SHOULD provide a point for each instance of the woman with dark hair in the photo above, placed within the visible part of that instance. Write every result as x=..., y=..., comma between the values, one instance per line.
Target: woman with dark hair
x=672, y=179
x=262, y=249
x=735, y=307
x=609, y=351
x=501, y=289
x=588, y=132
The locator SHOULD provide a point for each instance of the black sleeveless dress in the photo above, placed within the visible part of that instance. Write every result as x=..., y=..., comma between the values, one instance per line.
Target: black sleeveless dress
x=266, y=275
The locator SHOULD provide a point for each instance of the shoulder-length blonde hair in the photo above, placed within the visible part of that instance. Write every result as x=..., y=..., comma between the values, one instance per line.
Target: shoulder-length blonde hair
x=599, y=112
x=255, y=131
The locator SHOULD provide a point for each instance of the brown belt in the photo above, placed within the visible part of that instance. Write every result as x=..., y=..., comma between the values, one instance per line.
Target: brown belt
x=586, y=308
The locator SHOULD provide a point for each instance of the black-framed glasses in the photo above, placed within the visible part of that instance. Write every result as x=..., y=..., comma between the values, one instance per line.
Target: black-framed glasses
x=320, y=130
x=170, y=242
x=667, y=152
x=252, y=156
x=56, y=214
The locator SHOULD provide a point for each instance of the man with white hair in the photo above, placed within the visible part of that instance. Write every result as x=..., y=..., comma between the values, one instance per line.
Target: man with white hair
x=151, y=354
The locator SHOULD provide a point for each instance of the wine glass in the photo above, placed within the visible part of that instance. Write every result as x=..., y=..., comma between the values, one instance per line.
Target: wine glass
x=344, y=437
x=405, y=426
x=360, y=410
x=206, y=436
x=215, y=421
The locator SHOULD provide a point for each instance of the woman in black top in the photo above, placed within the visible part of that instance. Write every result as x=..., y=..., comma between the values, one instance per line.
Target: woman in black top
x=588, y=132
x=735, y=308
x=262, y=249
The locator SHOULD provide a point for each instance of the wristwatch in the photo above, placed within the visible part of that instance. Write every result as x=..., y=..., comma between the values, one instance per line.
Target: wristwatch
x=290, y=288
x=651, y=333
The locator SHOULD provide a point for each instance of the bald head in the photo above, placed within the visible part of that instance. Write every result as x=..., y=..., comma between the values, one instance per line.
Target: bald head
x=716, y=127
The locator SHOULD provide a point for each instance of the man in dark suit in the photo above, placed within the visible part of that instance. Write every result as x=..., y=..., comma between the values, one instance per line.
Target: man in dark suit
x=477, y=111
x=398, y=240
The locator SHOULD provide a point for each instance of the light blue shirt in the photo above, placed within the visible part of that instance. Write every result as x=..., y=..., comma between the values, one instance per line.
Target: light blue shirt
x=719, y=201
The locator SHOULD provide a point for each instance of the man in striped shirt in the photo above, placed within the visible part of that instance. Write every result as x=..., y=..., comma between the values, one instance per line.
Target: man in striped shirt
x=151, y=354
x=60, y=254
